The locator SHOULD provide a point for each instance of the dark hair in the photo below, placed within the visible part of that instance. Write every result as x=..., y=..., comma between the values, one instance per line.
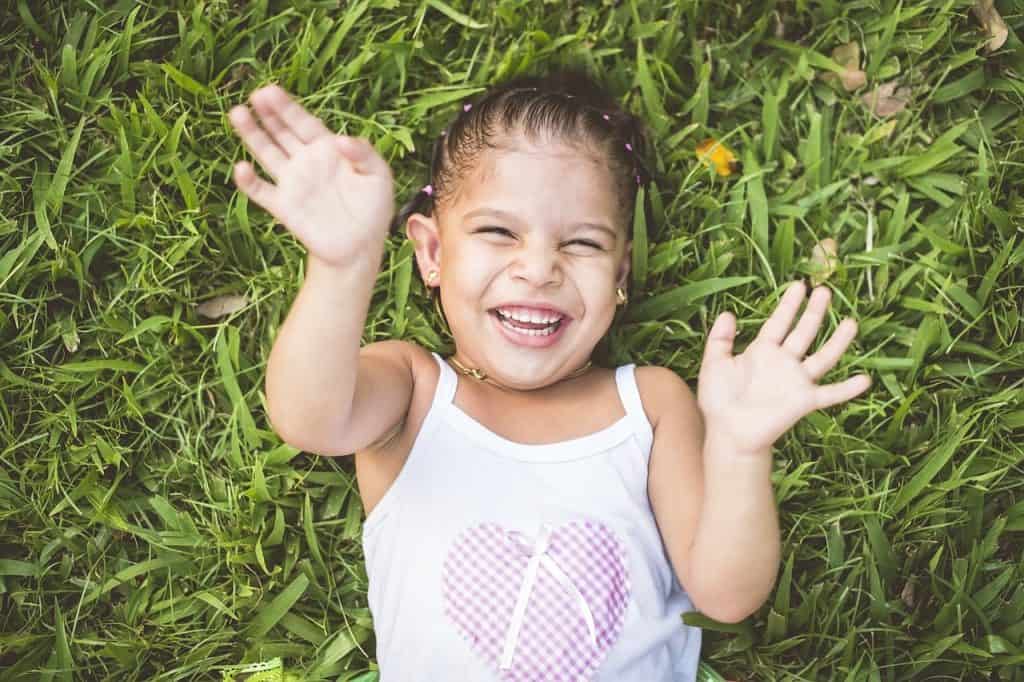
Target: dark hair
x=568, y=104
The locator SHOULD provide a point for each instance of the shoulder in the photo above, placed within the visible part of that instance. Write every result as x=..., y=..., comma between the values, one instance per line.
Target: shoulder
x=424, y=374
x=410, y=359
x=663, y=391
x=418, y=355
x=411, y=356
x=419, y=360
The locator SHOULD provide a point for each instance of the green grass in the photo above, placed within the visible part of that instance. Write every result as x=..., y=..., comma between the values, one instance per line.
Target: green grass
x=153, y=525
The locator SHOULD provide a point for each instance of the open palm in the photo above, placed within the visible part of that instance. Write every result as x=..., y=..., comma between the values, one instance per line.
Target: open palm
x=753, y=398
x=333, y=192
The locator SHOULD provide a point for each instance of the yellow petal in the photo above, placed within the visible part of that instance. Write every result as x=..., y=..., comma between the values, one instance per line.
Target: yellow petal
x=718, y=156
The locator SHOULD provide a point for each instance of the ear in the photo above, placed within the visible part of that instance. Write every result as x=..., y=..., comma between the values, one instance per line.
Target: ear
x=622, y=273
x=425, y=234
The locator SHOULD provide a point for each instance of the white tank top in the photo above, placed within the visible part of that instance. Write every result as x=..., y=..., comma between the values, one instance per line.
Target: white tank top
x=489, y=559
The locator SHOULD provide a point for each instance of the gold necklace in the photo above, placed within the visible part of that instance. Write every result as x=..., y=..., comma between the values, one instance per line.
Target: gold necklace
x=480, y=375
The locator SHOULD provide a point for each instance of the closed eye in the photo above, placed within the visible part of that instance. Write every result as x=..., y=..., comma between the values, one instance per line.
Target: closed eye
x=502, y=230
x=495, y=229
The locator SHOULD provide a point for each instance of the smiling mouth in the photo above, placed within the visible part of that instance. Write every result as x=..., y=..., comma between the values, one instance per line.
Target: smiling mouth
x=531, y=328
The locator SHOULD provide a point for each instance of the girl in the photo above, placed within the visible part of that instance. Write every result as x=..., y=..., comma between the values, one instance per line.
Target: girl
x=530, y=516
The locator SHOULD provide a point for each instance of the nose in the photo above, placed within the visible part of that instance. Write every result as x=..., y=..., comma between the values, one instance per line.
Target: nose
x=538, y=264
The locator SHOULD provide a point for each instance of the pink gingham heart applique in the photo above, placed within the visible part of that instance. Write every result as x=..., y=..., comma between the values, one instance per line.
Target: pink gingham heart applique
x=548, y=607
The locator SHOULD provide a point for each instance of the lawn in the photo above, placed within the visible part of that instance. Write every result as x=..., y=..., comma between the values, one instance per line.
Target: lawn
x=154, y=527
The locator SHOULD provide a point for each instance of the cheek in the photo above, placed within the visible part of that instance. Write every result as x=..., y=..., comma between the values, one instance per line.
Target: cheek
x=482, y=257
x=471, y=272
x=600, y=269
x=465, y=256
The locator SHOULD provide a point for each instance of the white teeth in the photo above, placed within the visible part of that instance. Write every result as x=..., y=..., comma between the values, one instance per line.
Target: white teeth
x=528, y=332
x=534, y=316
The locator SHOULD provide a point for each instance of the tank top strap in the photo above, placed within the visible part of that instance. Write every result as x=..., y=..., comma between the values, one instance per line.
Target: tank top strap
x=629, y=394
x=447, y=382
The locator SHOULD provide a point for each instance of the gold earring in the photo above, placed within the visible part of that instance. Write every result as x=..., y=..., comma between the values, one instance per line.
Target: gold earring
x=431, y=276
x=620, y=295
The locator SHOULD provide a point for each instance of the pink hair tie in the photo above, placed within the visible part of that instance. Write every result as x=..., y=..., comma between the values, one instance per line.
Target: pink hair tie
x=606, y=117
x=629, y=146
x=429, y=189
x=467, y=107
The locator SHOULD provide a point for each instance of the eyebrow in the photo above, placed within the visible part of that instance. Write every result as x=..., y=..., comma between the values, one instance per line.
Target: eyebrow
x=505, y=215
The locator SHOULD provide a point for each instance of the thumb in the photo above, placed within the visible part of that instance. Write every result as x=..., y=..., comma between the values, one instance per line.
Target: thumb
x=720, y=338
x=362, y=154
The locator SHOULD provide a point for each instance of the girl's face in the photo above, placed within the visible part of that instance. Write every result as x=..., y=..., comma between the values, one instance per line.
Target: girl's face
x=535, y=234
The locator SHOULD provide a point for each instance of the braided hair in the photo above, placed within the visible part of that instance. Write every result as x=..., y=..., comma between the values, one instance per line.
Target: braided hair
x=568, y=104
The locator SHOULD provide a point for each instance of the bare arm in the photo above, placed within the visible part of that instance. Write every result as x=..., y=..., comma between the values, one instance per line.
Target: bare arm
x=325, y=394
x=716, y=515
x=335, y=194
x=735, y=552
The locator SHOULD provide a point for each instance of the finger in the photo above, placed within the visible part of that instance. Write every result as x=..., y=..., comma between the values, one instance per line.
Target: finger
x=259, y=190
x=777, y=325
x=268, y=106
x=256, y=140
x=833, y=394
x=720, y=338
x=363, y=156
x=801, y=338
x=299, y=122
x=818, y=364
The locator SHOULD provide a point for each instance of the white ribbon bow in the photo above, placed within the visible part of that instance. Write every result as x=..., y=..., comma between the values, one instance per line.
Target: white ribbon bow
x=538, y=558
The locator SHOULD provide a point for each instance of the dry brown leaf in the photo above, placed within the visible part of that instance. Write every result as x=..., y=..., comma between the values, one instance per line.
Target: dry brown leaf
x=847, y=56
x=824, y=260
x=780, y=26
x=220, y=306
x=886, y=99
x=992, y=22
x=907, y=595
x=853, y=80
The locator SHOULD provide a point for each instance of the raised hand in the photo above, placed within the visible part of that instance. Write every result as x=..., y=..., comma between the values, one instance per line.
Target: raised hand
x=751, y=399
x=333, y=192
